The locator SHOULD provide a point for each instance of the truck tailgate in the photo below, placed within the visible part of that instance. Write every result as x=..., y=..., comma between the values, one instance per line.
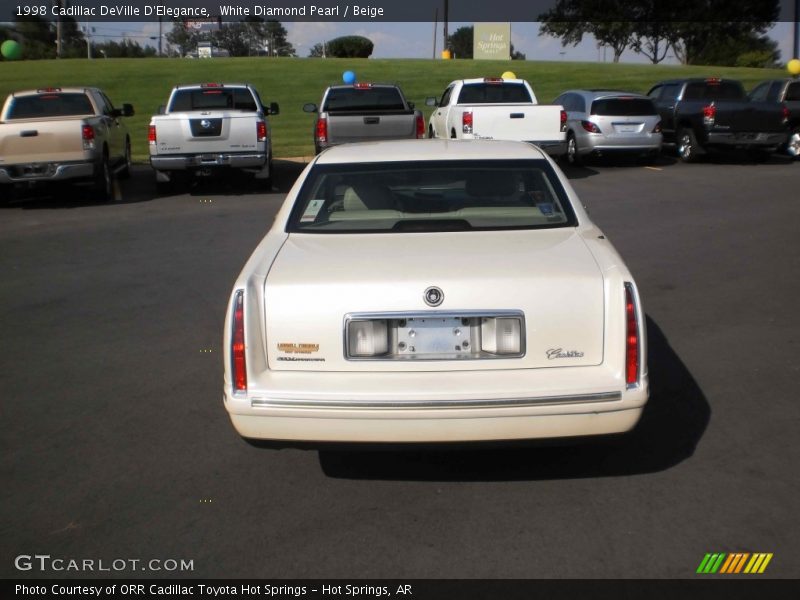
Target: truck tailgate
x=524, y=123
x=191, y=133
x=38, y=140
x=755, y=117
x=344, y=128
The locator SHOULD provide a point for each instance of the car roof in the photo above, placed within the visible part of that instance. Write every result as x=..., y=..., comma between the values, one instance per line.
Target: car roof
x=483, y=80
x=184, y=86
x=412, y=150
x=54, y=90
x=595, y=94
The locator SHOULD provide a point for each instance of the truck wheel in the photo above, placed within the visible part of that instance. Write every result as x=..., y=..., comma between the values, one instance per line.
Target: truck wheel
x=687, y=145
x=165, y=183
x=125, y=172
x=430, y=132
x=573, y=156
x=452, y=134
x=7, y=194
x=104, y=181
x=793, y=145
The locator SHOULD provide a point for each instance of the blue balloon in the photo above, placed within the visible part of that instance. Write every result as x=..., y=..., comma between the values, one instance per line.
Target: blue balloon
x=349, y=77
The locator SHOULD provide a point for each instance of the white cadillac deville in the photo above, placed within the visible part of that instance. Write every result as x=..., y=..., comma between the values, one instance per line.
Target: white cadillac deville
x=433, y=291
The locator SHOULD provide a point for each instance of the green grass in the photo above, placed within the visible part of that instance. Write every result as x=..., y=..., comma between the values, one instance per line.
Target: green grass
x=294, y=81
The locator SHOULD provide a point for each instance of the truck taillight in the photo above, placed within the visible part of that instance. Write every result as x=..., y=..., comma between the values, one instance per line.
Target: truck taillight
x=563, y=118
x=322, y=129
x=590, y=127
x=87, y=133
x=709, y=115
x=420, y=127
x=657, y=128
x=152, y=137
x=785, y=113
x=238, y=361
x=261, y=131
x=632, y=338
x=466, y=121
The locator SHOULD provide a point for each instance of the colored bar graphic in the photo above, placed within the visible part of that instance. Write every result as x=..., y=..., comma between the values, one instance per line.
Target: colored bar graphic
x=734, y=563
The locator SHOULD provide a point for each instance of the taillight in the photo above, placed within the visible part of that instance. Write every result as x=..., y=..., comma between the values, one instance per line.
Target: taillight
x=261, y=131
x=709, y=115
x=563, y=118
x=466, y=121
x=87, y=133
x=657, y=128
x=322, y=130
x=632, y=338
x=785, y=113
x=152, y=138
x=420, y=127
x=590, y=127
x=238, y=362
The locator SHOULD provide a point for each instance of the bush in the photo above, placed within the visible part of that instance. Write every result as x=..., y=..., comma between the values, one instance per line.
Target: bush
x=350, y=46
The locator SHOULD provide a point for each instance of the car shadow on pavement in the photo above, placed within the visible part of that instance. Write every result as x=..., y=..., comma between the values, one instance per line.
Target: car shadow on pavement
x=671, y=426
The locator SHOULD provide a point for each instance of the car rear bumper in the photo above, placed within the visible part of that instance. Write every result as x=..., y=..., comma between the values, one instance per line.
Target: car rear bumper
x=747, y=139
x=45, y=172
x=416, y=418
x=184, y=162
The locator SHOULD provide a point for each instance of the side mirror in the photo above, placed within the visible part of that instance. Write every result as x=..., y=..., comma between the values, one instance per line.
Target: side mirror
x=430, y=101
x=274, y=109
x=127, y=110
x=411, y=105
x=162, y=109
x=310, y=107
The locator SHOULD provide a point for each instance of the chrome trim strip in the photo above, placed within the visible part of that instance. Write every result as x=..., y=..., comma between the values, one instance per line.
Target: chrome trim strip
x=434, y=404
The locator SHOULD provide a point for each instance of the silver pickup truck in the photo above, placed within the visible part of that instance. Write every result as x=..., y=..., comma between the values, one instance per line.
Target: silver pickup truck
x=59, y=135
x=211, y=127
x=364, y=112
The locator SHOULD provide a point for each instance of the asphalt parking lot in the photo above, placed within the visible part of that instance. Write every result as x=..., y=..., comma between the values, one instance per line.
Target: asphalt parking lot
x=115, y=443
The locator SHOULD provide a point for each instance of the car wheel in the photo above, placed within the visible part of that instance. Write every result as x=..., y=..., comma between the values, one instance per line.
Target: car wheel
x=104, y=181
x=573, y=156
x=430, y=132
x=7, y=194
x=267, y=183
x=165, y=183
x=793, y=145
x=687, y=145
x=758, y=155
x=125, y=172
x=452, y=134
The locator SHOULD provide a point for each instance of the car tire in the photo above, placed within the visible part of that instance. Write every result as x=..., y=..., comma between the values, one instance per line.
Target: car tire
x=452, y=134
x=266, y=184
x=686, y=145
x=572, y=156
x=127, y=161
x=793, y=144
x=165, y=183
x=104, y=181
x=759, y=155
x=7, y=194
x=430, y=133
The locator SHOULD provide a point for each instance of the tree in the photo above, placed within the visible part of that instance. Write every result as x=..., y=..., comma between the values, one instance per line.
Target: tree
x=609, y=21
x=515, y=54
x=316, y=51
x=460, y=43
x=233, y=37
x=38, y=38
x=123, y=49
x=278, y=45
x=73, y=43
x=350, y=46
x=182, y=38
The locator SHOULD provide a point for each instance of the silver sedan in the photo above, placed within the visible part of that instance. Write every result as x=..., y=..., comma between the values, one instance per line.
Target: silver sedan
x=605, y=121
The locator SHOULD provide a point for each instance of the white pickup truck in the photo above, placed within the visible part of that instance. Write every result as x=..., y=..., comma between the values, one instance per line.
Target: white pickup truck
x=63, y=135
x=210, y=127
x=493, y=108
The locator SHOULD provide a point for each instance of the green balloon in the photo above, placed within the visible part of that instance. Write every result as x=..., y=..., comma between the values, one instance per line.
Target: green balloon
x=11, y=50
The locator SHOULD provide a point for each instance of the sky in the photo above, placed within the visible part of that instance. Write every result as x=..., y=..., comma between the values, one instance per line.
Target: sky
x=415, y=40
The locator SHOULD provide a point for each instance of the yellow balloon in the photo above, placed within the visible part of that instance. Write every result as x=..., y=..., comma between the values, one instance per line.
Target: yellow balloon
x=793, y=66
x=508, y=75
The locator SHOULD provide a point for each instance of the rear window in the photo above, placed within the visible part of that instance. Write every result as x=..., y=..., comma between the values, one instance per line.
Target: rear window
x=724, y=90
x=363, y=99
x=493, y=93
x=50, y=105
x=213, y=99
x=431, y=196
x=623, y=107
x=793, y=93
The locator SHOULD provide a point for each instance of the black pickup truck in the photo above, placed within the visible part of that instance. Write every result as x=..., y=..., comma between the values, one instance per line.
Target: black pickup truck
x=702, y=114
x=787, y=93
